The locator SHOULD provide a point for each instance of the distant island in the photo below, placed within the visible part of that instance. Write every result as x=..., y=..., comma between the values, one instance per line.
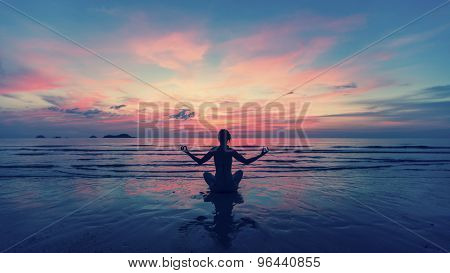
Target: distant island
x=40, y=136
x=93, y=137
x=118, y=136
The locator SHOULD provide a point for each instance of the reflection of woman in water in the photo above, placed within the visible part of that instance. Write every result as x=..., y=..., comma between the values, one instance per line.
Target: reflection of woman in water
x=224, y=226
x=223, y=180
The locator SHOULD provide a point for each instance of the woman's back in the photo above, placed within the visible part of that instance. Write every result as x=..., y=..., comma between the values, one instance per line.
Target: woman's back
x=223, y=159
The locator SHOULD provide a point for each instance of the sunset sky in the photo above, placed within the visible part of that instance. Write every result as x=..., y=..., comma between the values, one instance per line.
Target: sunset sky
x=225, y=52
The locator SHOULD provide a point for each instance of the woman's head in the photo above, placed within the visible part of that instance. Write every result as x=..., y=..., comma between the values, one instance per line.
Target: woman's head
x=224, y=136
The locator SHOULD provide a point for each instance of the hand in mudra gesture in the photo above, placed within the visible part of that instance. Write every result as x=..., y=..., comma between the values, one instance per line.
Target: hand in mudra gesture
x=264, y=151
x=184, y=149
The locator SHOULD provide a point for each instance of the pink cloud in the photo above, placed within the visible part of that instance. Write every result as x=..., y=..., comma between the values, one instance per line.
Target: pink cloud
x=45, y=65
x=175, y=50
x=286, y=33
x=28, y=81
x=277, y=55
x=274, y=70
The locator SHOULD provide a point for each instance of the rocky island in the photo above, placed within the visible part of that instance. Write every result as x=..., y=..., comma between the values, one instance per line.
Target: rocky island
x=118, y=136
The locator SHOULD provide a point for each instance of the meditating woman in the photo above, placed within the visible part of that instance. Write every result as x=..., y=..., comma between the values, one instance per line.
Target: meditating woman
x=223, y=180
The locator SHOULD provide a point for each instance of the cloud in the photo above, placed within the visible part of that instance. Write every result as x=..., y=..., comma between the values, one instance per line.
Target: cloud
x=254, y=63
x=418, y=109
x=427, y=94
x=53, y=100
x=439, y=91
x=175, y=50
x=11, y=96
x=410, y=111
x=346, y=86
x=90, y=113
x=417, y=37
x=274, y=56
x=117, y=107
x=269, y=70
x=26, y=79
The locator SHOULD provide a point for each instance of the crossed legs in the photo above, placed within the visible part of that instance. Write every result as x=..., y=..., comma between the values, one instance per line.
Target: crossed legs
x=223, y=186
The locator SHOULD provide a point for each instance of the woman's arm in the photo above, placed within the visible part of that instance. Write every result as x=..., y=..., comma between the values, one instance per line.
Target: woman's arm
x=199, y=161
x=246, y=161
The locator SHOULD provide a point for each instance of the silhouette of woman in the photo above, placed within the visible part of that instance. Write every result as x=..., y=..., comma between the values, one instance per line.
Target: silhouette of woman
x=223, y=180
x=224, y=225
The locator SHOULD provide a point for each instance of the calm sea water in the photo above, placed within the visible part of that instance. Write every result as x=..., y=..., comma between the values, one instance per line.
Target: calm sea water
x=337, y=195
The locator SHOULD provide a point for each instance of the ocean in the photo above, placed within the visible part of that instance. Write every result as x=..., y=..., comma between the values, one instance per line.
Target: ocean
x=331, y=195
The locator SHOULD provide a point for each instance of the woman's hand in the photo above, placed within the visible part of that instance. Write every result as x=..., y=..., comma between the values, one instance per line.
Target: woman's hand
x=264, y=151
x=184, y=149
